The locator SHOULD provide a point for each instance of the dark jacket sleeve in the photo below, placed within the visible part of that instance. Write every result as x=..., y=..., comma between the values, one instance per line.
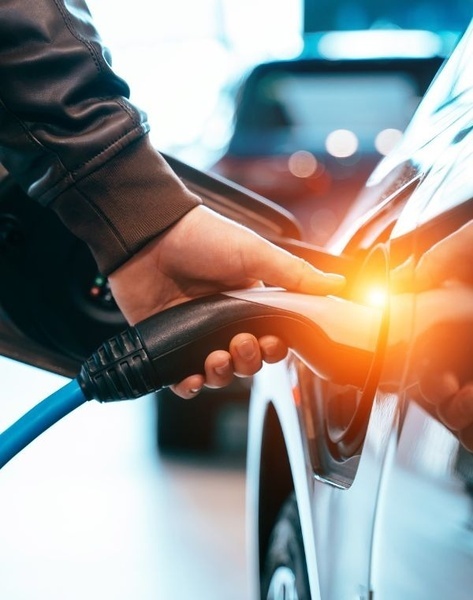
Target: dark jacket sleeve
x=70, y=136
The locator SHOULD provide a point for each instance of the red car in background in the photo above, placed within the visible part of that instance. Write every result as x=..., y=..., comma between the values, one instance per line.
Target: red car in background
x=308, y=131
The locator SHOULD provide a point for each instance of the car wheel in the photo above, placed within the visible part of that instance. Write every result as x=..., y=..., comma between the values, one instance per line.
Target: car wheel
x=285, y=573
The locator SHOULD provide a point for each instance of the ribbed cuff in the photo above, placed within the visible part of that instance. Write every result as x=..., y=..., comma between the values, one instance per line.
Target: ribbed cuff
x=123, y=205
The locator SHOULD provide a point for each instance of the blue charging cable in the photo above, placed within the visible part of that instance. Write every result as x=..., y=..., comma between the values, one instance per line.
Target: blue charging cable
x=39, y=418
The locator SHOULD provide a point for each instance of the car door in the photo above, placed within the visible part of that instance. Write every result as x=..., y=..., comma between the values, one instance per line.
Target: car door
x=423, y=542
x=418, y=196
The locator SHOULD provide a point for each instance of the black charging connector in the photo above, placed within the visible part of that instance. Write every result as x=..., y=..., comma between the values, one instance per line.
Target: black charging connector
x=120, y=369
x=336, y=338
x=168, y=346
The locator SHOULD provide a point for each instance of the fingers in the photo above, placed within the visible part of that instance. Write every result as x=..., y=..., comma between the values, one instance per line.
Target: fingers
x=189, y=387
x=401, y=277
x=279, y=268
x=218, y=369
x=244, y=358
x=466, y=438
x=453, y=405
x=437, y=388
x=272, y=348
x=246, y=355
x=457, y=411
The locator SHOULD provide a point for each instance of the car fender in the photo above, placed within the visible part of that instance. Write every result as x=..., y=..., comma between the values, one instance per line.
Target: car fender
x=272, y=392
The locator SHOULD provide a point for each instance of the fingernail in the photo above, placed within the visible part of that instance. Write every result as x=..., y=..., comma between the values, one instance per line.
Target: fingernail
x=222, y=369
x=246, y=349
x=334, y=277
x=194, y=390
x=270, y=349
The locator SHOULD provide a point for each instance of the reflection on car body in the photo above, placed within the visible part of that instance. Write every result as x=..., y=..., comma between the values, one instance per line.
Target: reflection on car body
x=365, y=491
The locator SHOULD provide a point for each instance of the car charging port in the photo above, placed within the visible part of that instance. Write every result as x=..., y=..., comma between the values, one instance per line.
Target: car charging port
x=345, y=408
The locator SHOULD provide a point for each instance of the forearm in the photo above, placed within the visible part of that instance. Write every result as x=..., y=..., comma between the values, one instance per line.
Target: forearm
x=64, y=111
x=70, y=136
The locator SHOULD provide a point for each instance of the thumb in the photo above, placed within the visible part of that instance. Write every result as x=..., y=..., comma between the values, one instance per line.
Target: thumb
x=277, y=267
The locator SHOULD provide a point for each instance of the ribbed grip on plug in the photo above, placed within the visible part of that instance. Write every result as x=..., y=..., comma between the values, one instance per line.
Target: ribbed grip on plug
x=119, y=369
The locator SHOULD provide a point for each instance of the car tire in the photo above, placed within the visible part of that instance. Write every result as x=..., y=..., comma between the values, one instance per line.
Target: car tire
x=285, y=572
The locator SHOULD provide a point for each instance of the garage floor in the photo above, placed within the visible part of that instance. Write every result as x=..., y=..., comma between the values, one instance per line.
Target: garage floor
x=89, y=510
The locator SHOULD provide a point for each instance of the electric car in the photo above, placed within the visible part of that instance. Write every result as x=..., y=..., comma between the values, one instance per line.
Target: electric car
x=360, y=473
x=360, y=466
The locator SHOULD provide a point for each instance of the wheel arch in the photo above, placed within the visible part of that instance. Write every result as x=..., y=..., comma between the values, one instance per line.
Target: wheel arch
x=273, y=490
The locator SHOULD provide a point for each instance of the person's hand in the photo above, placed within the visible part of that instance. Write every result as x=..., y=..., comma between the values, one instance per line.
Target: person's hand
x=446, y=265
x=447, y=260
x=450, y=402
x=205, y=253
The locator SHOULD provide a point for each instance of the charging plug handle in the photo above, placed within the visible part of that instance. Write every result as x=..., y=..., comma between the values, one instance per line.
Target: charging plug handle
x=173, y=344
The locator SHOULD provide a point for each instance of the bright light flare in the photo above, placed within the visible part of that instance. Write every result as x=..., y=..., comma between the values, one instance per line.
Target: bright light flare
x=376, y=297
